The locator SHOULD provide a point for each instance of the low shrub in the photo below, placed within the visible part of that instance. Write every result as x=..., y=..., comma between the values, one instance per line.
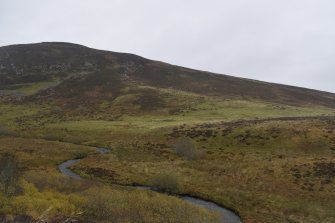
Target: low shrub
x=57, y=110
x=167, y=183
x=9, y=175
x=5, y=131
x=184, y=147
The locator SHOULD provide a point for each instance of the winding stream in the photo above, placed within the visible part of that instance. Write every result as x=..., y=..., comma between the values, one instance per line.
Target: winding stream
x=228, y=216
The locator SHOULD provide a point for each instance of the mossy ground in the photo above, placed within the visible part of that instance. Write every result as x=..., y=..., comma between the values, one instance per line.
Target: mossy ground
x=275, y=170
x=47, y=195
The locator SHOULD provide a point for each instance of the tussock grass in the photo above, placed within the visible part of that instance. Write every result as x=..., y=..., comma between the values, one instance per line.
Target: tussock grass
x=271, y=171
x=46, y=195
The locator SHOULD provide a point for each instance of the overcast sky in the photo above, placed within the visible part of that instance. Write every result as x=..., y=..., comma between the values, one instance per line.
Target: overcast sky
x=283, y=41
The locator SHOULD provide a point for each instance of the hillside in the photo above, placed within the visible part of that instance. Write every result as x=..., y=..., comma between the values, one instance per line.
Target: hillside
x=69, y=72
x=264, y=151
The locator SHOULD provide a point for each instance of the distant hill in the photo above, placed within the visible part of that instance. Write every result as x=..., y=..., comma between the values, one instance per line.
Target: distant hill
x=74, y=74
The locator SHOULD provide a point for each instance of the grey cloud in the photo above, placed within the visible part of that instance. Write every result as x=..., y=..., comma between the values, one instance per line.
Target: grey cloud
x=289, y=42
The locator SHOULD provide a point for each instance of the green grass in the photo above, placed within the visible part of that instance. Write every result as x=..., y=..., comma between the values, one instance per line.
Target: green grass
x=32, y=88
x=90, y=131
x=249, y=170
x=45, y=192
x=10, y=113
x=278, y=170
x=247, y=167
x=211, y=111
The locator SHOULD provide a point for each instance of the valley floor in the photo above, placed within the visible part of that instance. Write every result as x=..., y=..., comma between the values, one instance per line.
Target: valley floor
x=268, y=162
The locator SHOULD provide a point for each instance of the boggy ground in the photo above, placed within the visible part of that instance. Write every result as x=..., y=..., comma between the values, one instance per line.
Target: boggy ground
x=41, y=194
x=269, y=162
x=278, y=170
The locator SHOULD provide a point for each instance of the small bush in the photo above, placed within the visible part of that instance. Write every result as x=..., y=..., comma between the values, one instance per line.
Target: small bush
x=5, y=132
x=167, y=183
x=9, y=175
x=82, y=110
x=56, y=110
x=80, y=155
x=54, y=136
x=184, y=147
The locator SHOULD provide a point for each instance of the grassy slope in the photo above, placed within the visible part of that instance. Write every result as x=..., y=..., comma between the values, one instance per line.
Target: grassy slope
x=99, y=75
x=30, y=88
x=250, y=167
x=276, y=170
